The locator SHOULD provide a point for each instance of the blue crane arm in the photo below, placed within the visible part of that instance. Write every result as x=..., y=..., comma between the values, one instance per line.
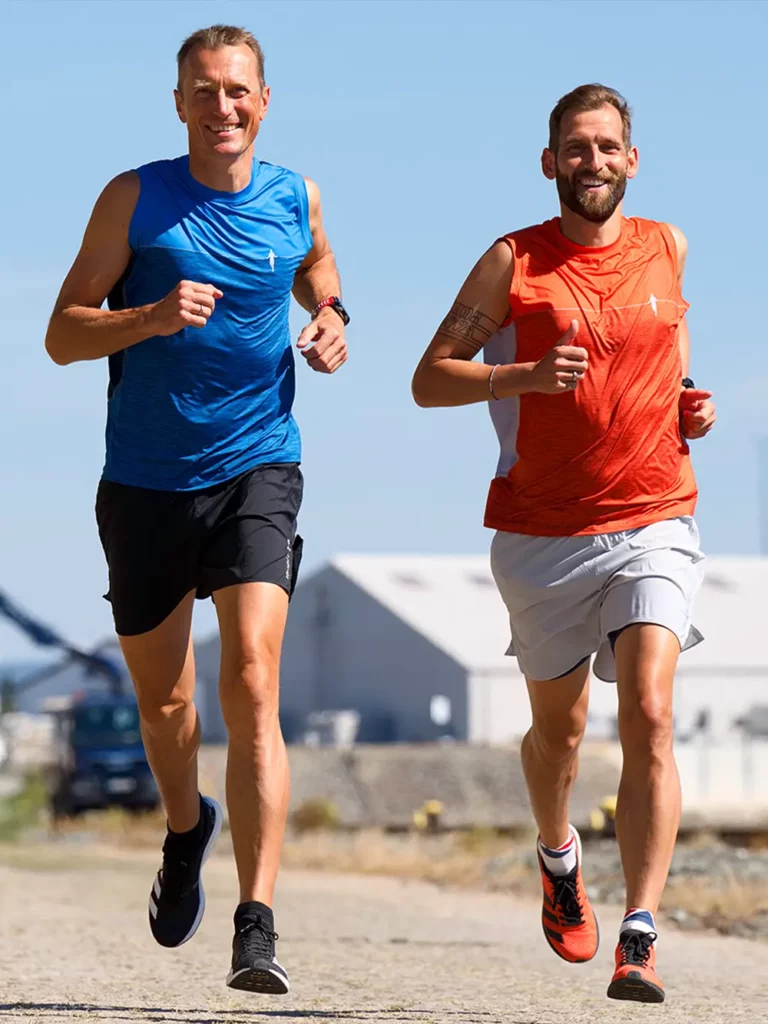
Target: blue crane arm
x=44, y=636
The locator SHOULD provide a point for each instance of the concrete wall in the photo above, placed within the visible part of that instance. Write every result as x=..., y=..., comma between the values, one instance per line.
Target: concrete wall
x=384, y=785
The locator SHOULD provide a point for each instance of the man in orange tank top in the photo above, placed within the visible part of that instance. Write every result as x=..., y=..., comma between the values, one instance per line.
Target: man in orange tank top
x=596, y=552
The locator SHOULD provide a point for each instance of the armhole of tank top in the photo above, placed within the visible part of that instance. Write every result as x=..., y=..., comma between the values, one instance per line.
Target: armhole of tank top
x=671, y=244
x=134, y=225
x=515, y=282
x=302, y=197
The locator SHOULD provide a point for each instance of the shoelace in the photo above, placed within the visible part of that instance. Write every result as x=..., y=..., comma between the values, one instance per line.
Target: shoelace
x=258, y=941
x=636, y=947
x=566, y=900
x=176, y=877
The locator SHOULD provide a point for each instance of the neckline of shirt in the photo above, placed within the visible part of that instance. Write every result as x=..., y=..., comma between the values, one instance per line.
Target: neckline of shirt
x=574, y=249
x=208, y=194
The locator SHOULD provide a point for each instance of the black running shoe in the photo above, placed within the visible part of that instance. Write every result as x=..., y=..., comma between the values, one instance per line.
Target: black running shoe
x=254, y=964
x=177, y=900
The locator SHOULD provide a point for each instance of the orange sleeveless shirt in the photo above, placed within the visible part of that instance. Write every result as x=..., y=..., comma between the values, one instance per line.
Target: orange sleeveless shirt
x=609, y=455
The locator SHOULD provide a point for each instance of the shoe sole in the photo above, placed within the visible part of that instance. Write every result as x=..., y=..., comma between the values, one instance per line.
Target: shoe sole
x=253, y=979
x=218, y=818
x=635, y=990
x=597, y=924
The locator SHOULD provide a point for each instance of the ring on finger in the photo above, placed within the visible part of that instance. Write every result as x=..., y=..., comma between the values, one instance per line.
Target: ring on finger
x=201, y=311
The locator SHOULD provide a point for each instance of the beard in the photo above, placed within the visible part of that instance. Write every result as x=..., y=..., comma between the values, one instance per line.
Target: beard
x=596, y=207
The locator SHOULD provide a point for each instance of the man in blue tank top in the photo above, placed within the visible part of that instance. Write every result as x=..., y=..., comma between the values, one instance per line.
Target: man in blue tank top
x=201, y=487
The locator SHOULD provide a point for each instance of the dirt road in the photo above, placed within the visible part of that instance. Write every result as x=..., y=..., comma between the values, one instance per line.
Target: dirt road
x=75, y=946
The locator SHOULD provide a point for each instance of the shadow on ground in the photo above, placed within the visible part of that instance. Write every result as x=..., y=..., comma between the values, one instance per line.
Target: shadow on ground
x=145, y=1014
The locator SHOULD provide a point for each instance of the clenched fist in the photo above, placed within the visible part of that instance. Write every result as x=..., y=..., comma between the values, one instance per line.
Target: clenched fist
x=697, y=413
x=190, y=304
x=562, y=367
x=322, y=342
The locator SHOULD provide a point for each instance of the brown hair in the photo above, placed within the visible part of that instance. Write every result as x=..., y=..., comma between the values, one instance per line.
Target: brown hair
x=216, y=36
x=589, y=97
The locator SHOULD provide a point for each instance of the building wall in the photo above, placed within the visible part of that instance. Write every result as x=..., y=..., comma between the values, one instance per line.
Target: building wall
x=499, y=711
x=726, y=694
x=344, y=650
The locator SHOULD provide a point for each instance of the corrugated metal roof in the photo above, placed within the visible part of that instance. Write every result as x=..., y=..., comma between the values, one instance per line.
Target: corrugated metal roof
x=452, y=600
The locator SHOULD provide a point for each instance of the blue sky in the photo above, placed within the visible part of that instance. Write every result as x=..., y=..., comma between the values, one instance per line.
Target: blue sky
x=423, y=125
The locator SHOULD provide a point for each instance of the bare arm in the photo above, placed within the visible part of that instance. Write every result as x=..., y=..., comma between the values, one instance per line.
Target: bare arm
x=317, y=278
x=322, y=342
x=683, y=338
x=79, y=329
x=446, y=375
x=696, y=408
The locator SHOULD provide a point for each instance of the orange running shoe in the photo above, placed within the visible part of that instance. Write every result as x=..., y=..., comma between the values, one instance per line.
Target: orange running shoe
x=570, y=925
x=635, y=977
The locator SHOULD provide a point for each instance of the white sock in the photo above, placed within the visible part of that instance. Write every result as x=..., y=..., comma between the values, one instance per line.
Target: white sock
x=638, y=920
x=562, y=860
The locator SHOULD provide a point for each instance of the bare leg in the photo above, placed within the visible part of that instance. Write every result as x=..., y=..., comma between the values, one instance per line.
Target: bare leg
x=550, y=749
x=251, y=621
x=161, y=664
x=648, y=809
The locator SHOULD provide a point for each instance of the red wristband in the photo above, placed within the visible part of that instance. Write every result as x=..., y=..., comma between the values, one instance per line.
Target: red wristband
x=322, y=305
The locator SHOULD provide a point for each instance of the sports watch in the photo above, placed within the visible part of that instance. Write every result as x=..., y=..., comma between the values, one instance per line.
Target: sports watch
x=335, y=304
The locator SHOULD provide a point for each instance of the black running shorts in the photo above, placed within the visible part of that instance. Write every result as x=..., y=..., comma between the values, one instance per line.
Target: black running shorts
x=162, y=544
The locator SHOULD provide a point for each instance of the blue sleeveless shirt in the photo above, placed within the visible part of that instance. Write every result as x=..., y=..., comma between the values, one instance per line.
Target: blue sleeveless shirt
x=206, y=404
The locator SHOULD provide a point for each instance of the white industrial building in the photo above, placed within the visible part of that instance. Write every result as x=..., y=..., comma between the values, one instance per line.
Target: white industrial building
x=416, y=643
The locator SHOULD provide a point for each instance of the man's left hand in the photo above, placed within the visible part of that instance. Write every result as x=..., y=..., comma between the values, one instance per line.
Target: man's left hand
x=322, y=342
x=697, y=413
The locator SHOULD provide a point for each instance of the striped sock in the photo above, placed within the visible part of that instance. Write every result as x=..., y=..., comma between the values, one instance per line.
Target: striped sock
x=638, y=920
x=561, y=860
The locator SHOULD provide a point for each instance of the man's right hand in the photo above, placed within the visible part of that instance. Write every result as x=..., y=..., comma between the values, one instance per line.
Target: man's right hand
x=562, y=367
x=190, y=304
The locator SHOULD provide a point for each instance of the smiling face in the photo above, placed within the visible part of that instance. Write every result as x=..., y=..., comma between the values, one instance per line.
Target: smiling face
x=592, y=163
x=221, y=100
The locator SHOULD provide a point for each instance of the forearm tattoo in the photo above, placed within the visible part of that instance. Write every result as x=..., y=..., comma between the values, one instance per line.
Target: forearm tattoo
x=468, y=325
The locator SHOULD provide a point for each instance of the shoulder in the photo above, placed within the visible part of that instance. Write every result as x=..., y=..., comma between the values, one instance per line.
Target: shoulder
x=120, y=195
x=681, y=242
x=313, y=194
x=282, y=180
x=495, y=267
x=643, y=227
x=126, y=187
x=531, y=237
x=667, y=237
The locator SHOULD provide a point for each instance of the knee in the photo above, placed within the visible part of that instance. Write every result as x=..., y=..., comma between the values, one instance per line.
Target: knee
x=647, y=723
x=161, y=710
x=556, y=738
x=249, y=692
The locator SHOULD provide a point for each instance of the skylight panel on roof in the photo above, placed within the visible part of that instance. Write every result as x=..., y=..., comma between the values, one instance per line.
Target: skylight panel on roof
x=409, y=580
x=480, y=579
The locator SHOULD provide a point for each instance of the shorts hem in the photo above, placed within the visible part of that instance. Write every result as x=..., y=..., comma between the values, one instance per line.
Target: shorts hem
x=573, y=663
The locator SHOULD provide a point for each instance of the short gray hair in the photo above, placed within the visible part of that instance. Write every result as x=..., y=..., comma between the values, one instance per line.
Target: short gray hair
x=216, y=36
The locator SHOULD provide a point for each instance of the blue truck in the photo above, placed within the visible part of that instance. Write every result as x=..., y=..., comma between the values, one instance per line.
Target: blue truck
x=99, y=758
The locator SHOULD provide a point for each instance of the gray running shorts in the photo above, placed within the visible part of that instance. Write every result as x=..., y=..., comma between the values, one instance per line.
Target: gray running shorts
x=567, y=595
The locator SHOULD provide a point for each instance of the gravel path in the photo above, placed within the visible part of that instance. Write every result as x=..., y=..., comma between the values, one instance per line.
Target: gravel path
x=75, y=946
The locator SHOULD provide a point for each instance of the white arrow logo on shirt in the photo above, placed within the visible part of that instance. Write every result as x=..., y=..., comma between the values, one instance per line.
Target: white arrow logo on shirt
x=653, y=302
